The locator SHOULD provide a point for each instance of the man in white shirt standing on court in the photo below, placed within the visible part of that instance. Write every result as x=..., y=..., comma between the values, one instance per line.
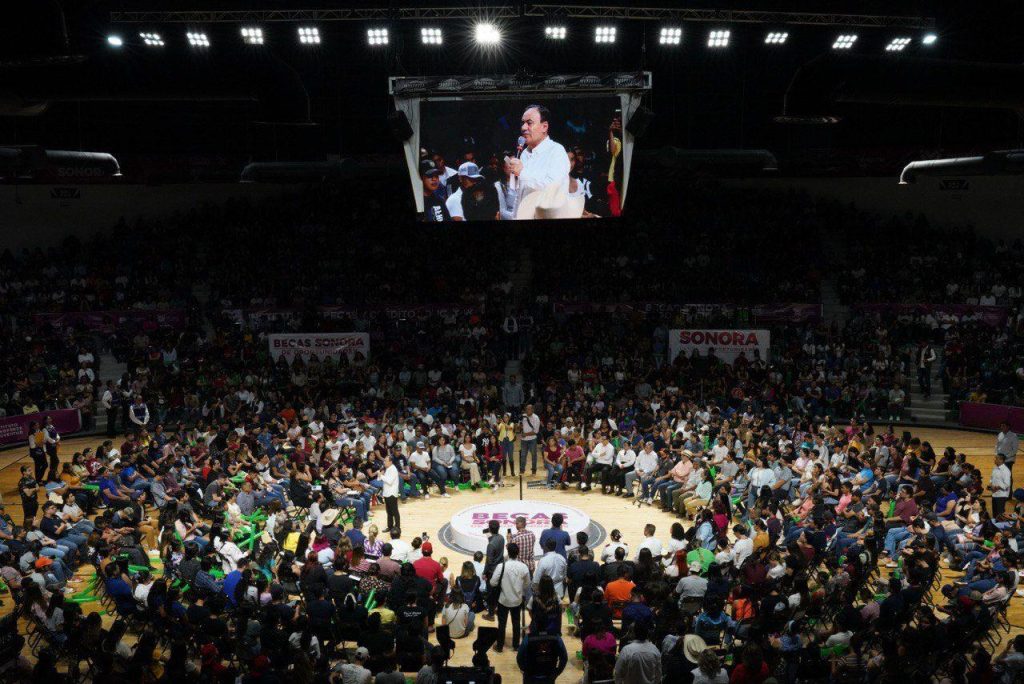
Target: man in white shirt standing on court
x=544, y=163
x=529, y=429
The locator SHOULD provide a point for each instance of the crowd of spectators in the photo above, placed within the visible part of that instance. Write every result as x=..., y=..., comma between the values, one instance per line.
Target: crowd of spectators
x=925, y=264
x=241, y=546
x=228, y=514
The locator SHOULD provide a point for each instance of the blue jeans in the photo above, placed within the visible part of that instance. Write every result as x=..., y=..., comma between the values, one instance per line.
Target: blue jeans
x=895, y=538
x=792, y=534
x=528, y=447
x=665, y=490
x=358, y=504
x=423, y=478
x=444, y=473
x=554, y=473
x=55, y=552
x=981, y=585
x=263, y=499
x=645, y=487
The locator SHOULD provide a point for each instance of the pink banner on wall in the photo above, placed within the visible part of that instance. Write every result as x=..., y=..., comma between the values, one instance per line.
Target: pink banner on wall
x=14, y=429
x=761, y=313
x=990, y=416
x=990, y=315
x=108, y=321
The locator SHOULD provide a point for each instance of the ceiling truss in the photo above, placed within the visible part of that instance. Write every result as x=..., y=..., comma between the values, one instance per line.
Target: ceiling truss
x=625, y=12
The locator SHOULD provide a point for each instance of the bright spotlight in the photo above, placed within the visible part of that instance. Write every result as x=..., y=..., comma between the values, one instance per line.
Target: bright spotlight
x=198, y=40
x=604, y=34
x=377, y=36
x=554, y=32
x=431, y=36
x=929, y=39
x=309, y=35
x=719, y=39
x=776, y=38
x=152, y=39
x=252, y=35
x=487, y=34
x=897, y=44
x=114, y=41
x=844, y=41
x=670, y=35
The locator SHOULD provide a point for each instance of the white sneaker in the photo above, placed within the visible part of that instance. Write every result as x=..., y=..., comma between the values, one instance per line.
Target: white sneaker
x=425, y=495
x=447, y=495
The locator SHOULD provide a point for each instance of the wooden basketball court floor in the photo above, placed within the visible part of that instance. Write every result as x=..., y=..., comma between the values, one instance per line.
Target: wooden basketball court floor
x=610, y=512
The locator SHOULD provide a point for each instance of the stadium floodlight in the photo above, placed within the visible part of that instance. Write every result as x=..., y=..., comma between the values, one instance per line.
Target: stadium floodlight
x=115, y=41
x=844, y=41
x=929, y=39
x=377, y=36
x=198, y=39
x=897, y=44
x=151, y=39
x=670, y=35
x=431, y=36
x=719, y=38
x=309, y=35
x=604, y=34
x=487, y=34
x=776, y=38
x=554, y=32
x=252, y=35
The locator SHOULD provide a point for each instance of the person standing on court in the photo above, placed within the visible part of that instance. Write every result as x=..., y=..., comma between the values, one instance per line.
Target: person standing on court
x=530, y=428
x=1007, y=444
x=999, y=485
x=526, y=541
x=512, y=580
x=557, y=534
x=110, y=400
x=390, y=492
x=495, y=555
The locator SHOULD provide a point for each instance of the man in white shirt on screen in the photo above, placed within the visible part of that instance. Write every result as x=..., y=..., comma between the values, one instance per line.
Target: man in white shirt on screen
x=543, y=165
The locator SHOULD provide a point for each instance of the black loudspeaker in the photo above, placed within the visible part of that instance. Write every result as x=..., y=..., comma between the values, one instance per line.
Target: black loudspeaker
x=398, y=122
x=638, y=123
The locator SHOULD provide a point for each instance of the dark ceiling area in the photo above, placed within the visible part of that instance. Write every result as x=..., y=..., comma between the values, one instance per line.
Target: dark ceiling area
x=63, y=86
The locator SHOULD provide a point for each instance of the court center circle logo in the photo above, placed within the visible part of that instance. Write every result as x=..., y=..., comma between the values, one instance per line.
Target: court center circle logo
x=466, y=533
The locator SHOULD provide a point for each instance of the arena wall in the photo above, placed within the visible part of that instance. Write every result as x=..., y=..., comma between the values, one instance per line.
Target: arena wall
x=43, y=215
x=994, y=205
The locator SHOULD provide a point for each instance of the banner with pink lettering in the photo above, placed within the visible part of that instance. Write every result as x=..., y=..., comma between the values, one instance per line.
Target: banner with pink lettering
x=989, y=315
x=14, y=429
x=321, y=345
x=793, y=312
x=260, y=317
x=728, y=344
x=109, y=321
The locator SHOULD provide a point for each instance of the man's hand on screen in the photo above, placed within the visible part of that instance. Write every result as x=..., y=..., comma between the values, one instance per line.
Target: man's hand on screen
x=516, y=165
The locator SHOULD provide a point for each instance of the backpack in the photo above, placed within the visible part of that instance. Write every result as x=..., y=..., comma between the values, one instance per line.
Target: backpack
x=542, y=655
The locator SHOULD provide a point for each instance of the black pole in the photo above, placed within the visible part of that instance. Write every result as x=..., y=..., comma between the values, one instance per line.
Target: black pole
x=520, y=484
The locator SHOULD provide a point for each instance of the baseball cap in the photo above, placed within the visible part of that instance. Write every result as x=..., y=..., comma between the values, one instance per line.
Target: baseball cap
x=427, y=547
x=696, y=567
x=429, y=168
x=362, y=653
x=42, y=562
x=469, y=170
